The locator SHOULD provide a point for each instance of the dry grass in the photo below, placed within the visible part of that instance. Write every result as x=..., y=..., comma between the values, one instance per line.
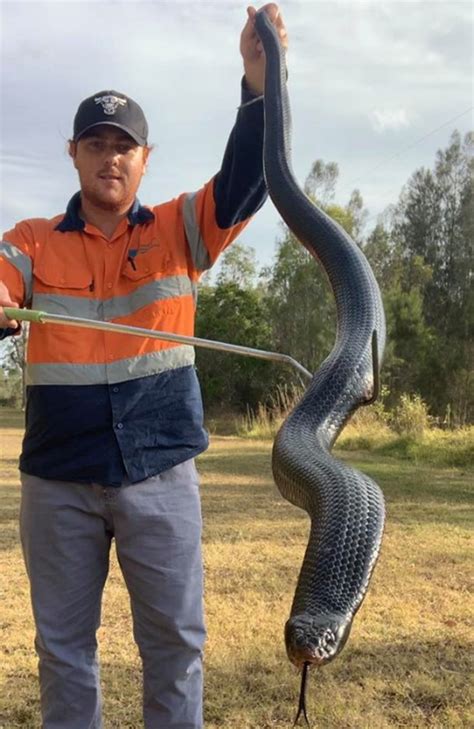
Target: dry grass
x=406, y=664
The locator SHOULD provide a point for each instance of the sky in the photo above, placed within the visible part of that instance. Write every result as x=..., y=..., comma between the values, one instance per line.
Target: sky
x=377, y=87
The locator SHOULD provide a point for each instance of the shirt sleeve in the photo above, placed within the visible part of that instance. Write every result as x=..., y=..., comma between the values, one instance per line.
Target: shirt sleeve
x=216, y=214
x=16, y=266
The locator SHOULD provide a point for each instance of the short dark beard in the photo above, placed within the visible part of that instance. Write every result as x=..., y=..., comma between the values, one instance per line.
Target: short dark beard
x=110, y=207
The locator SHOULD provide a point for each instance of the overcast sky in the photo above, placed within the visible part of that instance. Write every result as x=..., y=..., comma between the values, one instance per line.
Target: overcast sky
x=367, y=81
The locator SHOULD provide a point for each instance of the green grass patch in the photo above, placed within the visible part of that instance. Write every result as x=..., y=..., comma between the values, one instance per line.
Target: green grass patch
x=443, y=448
x=434, y=446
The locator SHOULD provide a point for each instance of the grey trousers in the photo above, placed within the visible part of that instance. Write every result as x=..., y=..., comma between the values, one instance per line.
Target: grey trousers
x=66, y=533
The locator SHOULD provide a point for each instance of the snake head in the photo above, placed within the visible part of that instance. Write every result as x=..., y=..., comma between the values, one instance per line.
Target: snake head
x=315, y=639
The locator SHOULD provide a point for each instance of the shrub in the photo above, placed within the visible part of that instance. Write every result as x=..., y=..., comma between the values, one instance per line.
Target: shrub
x=265, y=421
x=411, y=416
x=406, y=433
x=368, y=428
x=438, y=447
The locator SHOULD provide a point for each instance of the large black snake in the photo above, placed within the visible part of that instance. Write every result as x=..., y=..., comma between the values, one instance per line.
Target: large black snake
x=345, y=506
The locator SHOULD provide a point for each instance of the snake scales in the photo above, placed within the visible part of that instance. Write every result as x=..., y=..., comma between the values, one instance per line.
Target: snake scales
x=346, y=507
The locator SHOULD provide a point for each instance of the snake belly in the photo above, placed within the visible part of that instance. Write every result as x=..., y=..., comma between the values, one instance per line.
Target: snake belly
x=346, y=508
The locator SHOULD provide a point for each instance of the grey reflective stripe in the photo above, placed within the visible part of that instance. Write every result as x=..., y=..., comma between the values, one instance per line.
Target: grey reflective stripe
x=167, y=288
x=65, y=374
x=21, y=262
x=196, y=243
x=150, y=364
x=70, y=305
x=107, y=374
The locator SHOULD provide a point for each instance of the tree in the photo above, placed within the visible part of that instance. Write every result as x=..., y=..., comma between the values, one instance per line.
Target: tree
x=321, y=181
x=238, y=265
x=381, y=255
x=403, y=283
x=231, y=313
x=434, y=224
x=300, y=301
x=12, y=384
x=300, y=304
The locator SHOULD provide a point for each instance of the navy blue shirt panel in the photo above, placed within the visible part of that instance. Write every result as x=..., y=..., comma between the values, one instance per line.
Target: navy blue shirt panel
x=113, y=434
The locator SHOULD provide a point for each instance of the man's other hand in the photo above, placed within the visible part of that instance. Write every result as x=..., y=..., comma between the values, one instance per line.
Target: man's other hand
x=5, y=300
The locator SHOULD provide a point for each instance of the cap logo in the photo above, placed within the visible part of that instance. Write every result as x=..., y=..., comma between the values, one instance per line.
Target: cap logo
x=110, y=103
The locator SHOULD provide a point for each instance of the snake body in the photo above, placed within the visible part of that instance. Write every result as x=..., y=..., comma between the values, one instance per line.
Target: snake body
x=346, y=508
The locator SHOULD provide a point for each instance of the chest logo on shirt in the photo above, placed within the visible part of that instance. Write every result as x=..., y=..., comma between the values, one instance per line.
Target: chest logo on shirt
x=110, y=103
x=134, y=252
x=143, y=249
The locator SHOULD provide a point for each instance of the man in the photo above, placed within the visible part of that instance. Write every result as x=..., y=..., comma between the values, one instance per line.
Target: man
x=113, y=422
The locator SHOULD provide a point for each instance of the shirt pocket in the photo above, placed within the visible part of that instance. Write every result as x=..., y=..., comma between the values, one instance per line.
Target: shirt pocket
x=63, y=284
x=63, y=270
x=140, y=264
x=155, y=282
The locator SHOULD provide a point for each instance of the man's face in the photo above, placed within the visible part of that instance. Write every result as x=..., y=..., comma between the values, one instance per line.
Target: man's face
x=110, y=166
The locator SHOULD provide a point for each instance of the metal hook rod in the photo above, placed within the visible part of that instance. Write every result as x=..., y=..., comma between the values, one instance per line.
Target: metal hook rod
x=375, y=369
x=42, y=317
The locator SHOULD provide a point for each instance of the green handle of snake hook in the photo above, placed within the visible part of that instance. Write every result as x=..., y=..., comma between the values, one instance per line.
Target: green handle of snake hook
x=23, y=314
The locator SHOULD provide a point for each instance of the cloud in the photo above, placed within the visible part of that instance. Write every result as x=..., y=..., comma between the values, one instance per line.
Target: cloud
x=383, y=120
x=366, y=79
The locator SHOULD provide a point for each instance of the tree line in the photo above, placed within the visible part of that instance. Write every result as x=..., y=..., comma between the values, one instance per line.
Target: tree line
x=422, y=253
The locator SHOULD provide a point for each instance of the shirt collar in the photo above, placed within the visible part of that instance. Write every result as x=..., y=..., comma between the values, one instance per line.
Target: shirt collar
x=137, y=215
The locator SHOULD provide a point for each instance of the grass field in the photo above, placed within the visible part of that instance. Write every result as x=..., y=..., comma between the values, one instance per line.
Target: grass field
x=408, y=660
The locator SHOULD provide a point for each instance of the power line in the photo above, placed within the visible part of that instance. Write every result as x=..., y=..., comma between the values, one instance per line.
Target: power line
x=410, y=146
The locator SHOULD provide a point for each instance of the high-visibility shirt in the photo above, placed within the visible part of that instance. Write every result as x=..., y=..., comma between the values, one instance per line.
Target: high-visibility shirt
x=112, y=408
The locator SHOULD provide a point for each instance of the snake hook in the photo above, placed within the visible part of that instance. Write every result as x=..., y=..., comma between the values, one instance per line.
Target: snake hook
x=375, y=369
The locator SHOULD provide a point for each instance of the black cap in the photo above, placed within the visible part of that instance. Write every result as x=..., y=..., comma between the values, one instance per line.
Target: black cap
x=115, y=109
